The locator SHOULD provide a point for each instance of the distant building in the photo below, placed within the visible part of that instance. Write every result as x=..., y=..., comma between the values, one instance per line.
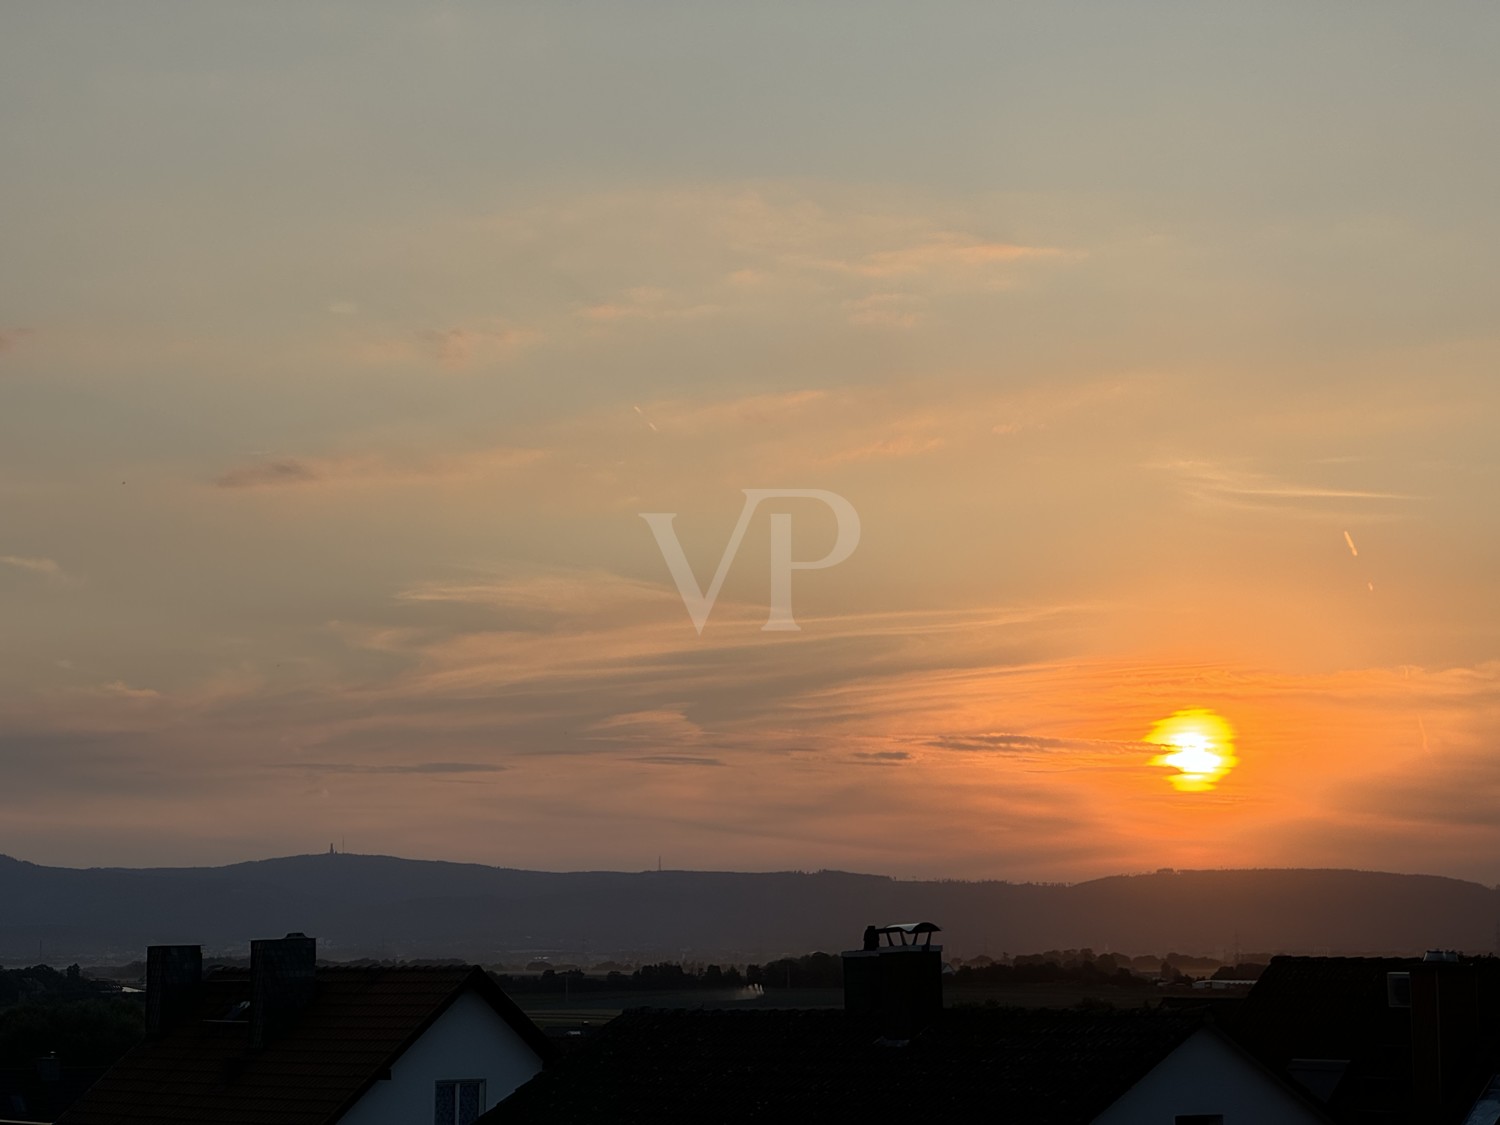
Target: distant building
x=293, y=1044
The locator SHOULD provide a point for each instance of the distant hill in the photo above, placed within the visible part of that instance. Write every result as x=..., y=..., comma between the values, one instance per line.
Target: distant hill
x=381, y=906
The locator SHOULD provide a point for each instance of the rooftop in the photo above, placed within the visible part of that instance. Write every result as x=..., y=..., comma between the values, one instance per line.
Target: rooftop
x=1045, y=1067
x=358, y=1023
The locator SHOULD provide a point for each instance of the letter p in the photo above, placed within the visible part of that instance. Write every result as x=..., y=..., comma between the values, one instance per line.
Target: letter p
x=782, y=563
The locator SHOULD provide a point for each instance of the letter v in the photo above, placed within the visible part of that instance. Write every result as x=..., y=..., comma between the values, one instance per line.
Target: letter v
x=698, y=604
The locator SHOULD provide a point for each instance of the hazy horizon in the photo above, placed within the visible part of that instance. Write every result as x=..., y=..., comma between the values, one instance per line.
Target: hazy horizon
x=935, y=877
x=342, y=349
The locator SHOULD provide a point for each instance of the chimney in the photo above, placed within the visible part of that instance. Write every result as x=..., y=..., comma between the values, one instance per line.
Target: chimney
x=282, y=981
x=1444, y=1035
x=900, y=982
x=173, y=974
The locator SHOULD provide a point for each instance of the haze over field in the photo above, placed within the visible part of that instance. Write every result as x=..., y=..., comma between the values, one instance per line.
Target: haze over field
x=341, y=348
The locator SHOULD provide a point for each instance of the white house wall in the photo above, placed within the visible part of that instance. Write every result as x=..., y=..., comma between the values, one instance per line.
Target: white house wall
x=467, y=1041
x=1206, y=1075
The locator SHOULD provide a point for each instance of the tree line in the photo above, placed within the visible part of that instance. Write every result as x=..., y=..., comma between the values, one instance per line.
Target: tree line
x=825, y=970
x=85, y=1022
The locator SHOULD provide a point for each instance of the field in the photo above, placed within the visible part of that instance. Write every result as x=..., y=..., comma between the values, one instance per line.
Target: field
x=553, y=1010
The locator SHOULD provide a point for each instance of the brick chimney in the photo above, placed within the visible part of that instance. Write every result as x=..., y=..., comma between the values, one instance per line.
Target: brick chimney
x=900, y=982
x=1445, y=1030
x=173, y=976
x=282, y=981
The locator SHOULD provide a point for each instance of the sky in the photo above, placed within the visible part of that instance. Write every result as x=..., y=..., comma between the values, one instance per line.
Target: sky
x=343, y=346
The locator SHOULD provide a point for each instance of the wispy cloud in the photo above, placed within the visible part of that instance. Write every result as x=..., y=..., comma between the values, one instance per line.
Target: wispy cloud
x=904, y=445
x=118, y=689
x=455, y=347
x=713, y=415
x=647, y=303
x=664, y=729
x=945, y=251
x=418, y=768
x=886, y=310
x=1224, y=485
x=557, y=595
x=1033, y=744
x=766, y=252
x=677, y=760
x=817, y=428
x=374, y=468
x=33, y=565
x=271, y=474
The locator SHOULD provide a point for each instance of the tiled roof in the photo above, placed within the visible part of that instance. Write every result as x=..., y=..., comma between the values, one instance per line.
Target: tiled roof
x=1321, y=1007
x=1306, y=1014
x=359, y=1022
x=1036, y=1067
x=1334, y=1010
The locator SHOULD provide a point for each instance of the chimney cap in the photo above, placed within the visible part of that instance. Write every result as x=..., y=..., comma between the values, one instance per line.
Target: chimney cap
x=1448, y=955
x=908, y=932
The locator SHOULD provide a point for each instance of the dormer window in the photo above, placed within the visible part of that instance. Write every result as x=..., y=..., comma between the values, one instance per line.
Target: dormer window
x=458, y=1102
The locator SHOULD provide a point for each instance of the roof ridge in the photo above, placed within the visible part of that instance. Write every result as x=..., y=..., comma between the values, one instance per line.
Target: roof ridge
x=402, y=968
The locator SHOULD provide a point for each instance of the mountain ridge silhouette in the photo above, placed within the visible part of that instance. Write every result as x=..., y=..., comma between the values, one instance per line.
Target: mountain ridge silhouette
x=388, y=906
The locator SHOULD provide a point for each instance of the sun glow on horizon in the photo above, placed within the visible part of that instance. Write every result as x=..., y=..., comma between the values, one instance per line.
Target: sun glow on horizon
x=1200, y=745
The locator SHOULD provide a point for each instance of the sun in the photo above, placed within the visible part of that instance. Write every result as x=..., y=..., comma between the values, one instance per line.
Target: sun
x=1200, y=747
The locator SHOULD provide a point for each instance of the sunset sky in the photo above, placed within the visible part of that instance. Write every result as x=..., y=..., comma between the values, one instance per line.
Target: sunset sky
x=1155, y=345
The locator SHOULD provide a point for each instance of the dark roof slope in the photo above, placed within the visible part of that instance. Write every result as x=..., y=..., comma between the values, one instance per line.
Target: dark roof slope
x=1335, y=1010
x=1322, y=1007
x=359, y=1023
x=1007, y=1065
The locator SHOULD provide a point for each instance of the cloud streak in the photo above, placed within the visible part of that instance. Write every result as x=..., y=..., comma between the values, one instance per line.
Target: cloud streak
x=370, y=469
x=1213, y=483
x=33, y=565
x=438, y=769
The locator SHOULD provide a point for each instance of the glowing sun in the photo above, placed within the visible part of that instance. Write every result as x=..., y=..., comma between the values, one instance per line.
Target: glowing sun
x=1200, y=747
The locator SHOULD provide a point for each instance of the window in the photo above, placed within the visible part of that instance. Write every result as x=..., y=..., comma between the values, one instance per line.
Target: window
x=459, y=1102
x=1200, y=1119
x=1398, y=990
